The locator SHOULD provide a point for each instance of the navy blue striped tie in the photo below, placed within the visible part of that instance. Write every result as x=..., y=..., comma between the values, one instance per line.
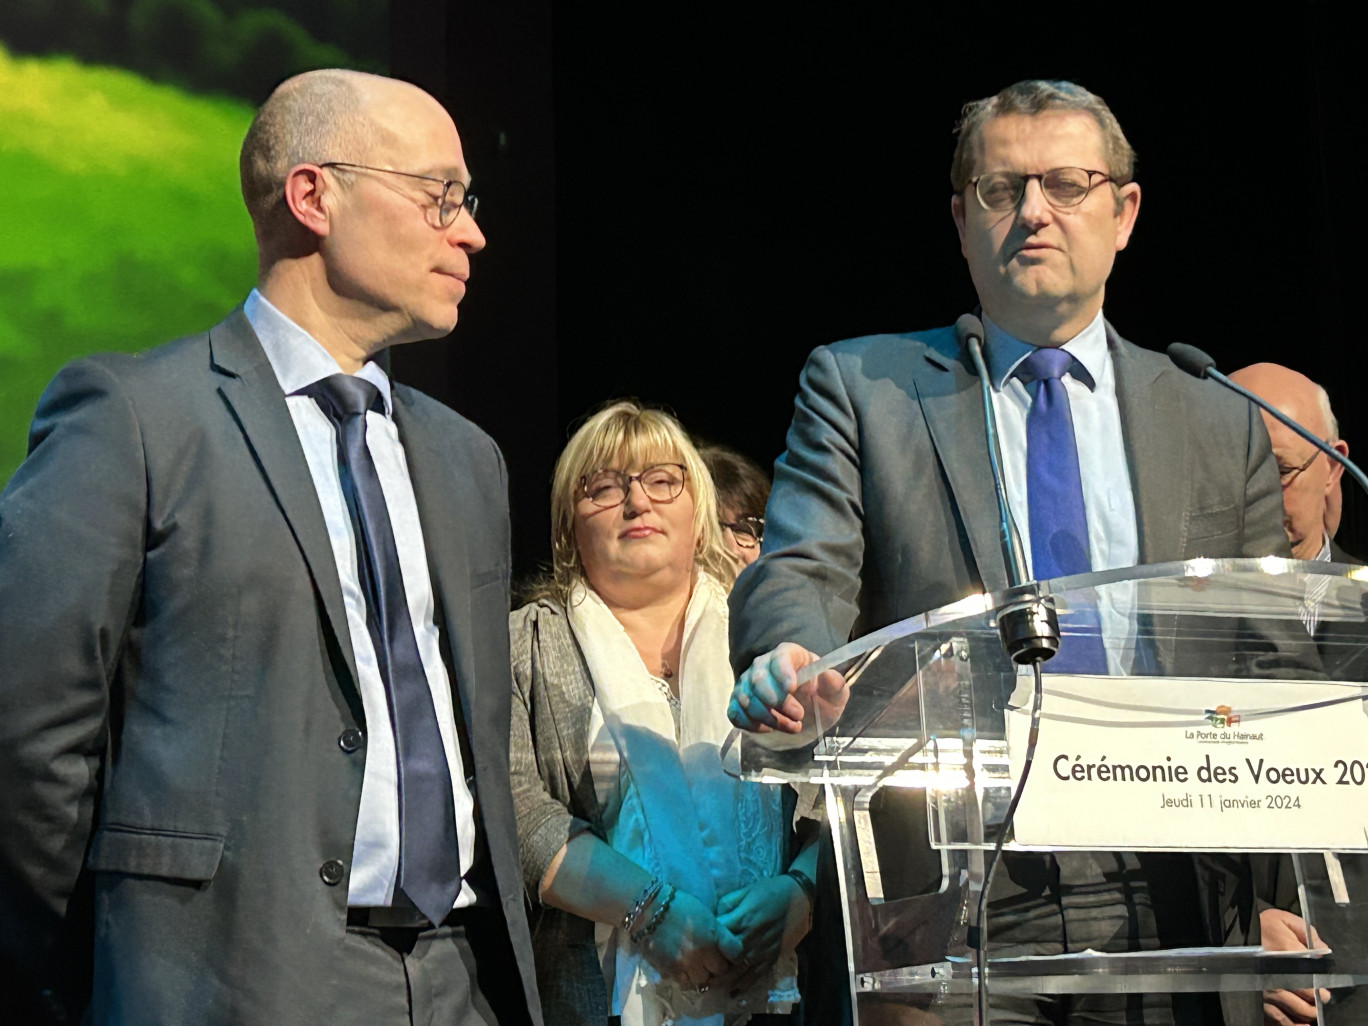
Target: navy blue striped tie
x=429, y=860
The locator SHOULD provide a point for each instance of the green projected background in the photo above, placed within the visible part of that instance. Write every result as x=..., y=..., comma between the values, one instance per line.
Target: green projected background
x=122, y=223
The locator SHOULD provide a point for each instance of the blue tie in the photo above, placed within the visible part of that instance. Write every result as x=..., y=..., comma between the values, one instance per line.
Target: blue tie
x=429, y=860
x=1054, y=498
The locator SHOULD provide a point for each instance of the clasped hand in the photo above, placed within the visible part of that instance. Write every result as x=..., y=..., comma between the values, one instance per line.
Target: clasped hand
x=753, y=927
x=690, y=945
x=770, y=917
x=768, y=696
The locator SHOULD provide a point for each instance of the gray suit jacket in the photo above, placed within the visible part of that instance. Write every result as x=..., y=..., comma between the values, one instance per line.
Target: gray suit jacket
x=883, y=506
x=176, y=670
x=883, y=503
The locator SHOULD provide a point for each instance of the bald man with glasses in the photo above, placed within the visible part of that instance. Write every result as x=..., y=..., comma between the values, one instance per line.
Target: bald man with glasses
x=1310, y=480
x=255, y=697
x=1311, y=484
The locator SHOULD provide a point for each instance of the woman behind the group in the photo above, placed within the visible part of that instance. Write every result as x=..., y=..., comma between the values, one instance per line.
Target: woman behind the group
x=662, y=880
x=742, y=492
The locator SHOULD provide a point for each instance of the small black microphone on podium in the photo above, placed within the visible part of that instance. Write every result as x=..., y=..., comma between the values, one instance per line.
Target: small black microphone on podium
x=1028, y=626
x=1192, y=360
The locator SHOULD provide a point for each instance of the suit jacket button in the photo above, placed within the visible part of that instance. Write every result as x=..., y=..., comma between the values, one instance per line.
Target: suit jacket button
x=332, y=872
x=350, y=739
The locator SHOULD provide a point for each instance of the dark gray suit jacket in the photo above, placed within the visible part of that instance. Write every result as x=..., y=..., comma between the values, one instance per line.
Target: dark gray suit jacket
x=883, y=503
x=176, y=670
x=883, y=506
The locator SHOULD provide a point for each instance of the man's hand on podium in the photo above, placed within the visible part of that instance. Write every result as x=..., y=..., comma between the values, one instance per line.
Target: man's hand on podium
x=1286, y=931
x=768, y=696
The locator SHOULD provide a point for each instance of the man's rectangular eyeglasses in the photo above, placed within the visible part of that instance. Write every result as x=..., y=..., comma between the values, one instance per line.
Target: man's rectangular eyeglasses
x=608, y=488
x=748, y=531
x=1062, y=186
x=454, y=195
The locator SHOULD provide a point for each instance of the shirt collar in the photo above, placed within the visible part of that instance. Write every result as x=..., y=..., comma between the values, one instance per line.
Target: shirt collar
x=1088, y=348
x=1323, y=555
x=298, y=358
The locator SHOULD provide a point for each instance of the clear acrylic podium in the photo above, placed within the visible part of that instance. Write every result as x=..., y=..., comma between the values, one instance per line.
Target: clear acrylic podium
x=1253, y=666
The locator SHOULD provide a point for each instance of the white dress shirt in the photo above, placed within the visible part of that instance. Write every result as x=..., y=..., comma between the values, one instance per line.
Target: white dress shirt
x=1108, y=502
x=298, y=361
x=1316, y=587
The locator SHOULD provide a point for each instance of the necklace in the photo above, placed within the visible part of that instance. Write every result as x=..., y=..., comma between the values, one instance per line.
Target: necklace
x=666, y=670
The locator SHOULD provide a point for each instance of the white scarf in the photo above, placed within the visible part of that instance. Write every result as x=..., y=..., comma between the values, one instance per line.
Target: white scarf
x=682, y=818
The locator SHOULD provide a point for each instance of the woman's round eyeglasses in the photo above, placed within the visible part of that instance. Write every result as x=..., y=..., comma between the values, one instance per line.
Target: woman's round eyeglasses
x=661, y=482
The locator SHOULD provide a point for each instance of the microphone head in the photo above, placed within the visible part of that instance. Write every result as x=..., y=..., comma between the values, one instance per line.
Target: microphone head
x=967, y=327
x=1191, y=360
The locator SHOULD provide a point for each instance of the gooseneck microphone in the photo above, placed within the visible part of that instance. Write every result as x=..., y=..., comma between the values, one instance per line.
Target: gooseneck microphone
x=1193, y=361
x=970, y=331
x=1028, y=626
x=1029, y=629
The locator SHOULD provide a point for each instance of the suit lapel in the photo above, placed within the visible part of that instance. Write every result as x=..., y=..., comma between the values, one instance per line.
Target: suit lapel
x=953, y=407
x=1155, y=431
x=249, y=387
x=441, y=509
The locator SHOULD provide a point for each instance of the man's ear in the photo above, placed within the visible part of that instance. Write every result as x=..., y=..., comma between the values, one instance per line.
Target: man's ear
x=1336, y=467
x=1127, y=210
x=305, y=191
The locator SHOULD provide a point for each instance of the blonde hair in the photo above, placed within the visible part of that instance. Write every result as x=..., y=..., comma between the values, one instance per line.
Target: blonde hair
x=625, y=434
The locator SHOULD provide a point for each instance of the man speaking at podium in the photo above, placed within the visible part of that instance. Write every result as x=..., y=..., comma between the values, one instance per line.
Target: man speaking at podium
x=883, y=503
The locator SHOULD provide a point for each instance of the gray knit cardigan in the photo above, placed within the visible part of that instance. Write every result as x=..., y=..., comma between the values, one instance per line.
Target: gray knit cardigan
x=554, y=798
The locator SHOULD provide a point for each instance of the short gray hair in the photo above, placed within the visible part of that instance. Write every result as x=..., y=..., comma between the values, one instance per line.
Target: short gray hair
x=1327, y=415
x=1031, y=97
x=311, y=118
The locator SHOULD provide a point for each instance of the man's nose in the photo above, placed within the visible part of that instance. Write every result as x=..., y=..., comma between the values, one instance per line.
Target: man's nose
x=1034, y=211
x=465, y=232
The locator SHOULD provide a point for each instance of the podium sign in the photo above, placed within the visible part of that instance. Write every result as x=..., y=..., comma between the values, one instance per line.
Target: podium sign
x=1223, y=725
x=1193, y=765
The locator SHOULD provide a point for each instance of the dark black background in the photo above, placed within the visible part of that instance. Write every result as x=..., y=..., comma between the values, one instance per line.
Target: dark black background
x=683, y=201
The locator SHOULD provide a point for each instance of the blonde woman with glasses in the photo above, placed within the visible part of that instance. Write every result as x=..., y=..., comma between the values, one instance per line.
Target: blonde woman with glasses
x=667, y=889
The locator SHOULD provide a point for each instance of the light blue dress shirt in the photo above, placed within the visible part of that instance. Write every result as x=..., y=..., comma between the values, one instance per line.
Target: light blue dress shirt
x=299, y=360
x=1108, y=501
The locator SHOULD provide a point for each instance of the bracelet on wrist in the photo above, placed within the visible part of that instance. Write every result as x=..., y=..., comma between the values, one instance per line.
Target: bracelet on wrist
x=657, y=918
x=644, y=899
x=805, y=882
